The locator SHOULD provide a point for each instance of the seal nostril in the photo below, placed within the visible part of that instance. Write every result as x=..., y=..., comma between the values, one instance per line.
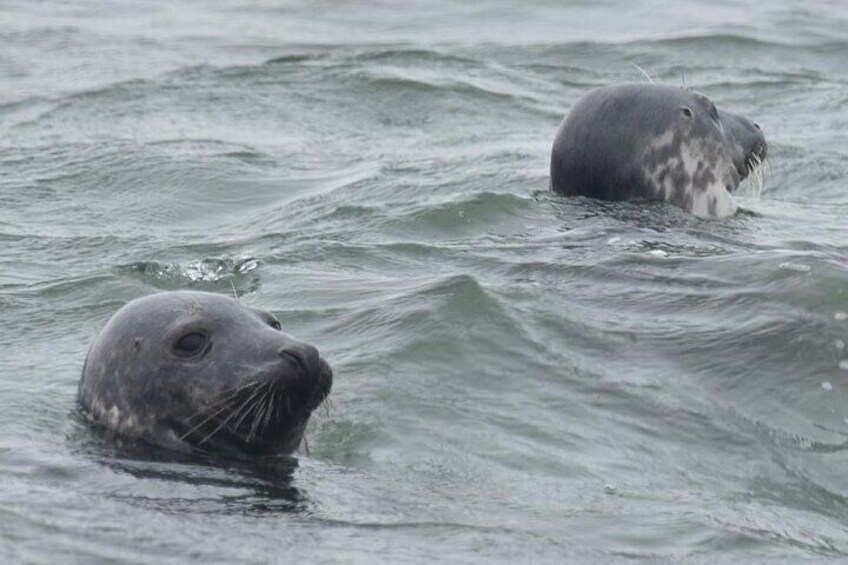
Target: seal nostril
x=756, y=125
x=297, y=357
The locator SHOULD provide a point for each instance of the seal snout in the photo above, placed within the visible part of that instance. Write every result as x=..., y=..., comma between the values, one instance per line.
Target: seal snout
x=755, y=138
x=306, y=374
x=299, y=357
x=750, y=142
x=760, y=149
x=754, y=157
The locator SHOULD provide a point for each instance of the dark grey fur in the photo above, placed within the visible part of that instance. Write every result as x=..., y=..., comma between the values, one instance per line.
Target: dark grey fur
x=249, y=389
x=652, y=142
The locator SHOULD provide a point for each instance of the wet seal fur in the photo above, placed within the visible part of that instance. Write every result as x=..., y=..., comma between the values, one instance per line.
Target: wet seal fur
x=195, y=371
x=653, y=142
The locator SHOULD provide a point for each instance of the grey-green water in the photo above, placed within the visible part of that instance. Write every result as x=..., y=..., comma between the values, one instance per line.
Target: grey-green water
x=520, y=378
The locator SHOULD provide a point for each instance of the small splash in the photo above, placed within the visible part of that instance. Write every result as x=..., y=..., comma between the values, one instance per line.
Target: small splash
x=843, y=364
x=610, y=488
x=249, y=264
x=797, y=267
x=613, y=240
x=214, y=270
x=827, y=385
x=839, y=344
x=657, y=253
x=233, y=274
x=840, y=316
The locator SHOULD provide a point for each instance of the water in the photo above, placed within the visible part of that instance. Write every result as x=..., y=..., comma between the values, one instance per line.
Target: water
x=519, y=377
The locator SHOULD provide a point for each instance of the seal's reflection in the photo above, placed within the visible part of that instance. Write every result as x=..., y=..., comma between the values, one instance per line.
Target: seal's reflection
x=171, y=481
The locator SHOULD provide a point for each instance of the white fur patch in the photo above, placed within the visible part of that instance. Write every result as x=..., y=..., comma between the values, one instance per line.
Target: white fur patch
x=716, y=193
x=713, y=201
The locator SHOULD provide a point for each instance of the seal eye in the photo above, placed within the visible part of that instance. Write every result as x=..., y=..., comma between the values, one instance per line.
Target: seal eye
x=275, y=324
x=686, y=111
x=190, y=344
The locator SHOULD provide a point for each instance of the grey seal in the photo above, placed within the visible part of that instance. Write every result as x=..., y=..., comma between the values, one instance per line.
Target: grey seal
x=654, y=142
x=202, y=372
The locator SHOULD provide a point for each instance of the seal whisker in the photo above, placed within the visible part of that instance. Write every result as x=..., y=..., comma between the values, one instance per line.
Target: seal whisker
x=267, y=409
x=641, y=70
x=325, y=405
x=223, y=405
x=270, y=410
x=232, y=415
x=207, y=419
x=755, y=172
x=247, y=411
x=244, y=414
x=225, y=421
x=225, y=399
x=202, y=423
x=254, y=427
x=262, y=407
x=249, y=406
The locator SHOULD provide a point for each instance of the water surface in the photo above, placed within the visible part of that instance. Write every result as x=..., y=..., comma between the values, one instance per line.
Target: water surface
x=519, y=377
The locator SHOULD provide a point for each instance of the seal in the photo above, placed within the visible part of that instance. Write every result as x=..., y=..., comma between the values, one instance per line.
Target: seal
x=201, y=372
x=654, y=142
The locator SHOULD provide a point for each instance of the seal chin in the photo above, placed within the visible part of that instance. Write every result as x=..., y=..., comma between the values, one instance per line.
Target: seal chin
x=271, y=442
x=323, y=384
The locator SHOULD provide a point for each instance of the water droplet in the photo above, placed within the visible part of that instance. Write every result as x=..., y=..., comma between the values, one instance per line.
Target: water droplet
x=827, y=386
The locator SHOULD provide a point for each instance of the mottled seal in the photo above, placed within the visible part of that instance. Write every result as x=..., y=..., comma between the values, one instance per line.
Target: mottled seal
x=653, y=142
x=195, y=371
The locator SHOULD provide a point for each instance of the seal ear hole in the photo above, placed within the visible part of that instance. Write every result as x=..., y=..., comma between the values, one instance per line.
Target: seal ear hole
x=686, y=112
x=190, y=344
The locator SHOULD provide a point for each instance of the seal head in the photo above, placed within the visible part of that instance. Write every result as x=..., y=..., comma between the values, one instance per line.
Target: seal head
x=653, y=142
x=198, y=371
